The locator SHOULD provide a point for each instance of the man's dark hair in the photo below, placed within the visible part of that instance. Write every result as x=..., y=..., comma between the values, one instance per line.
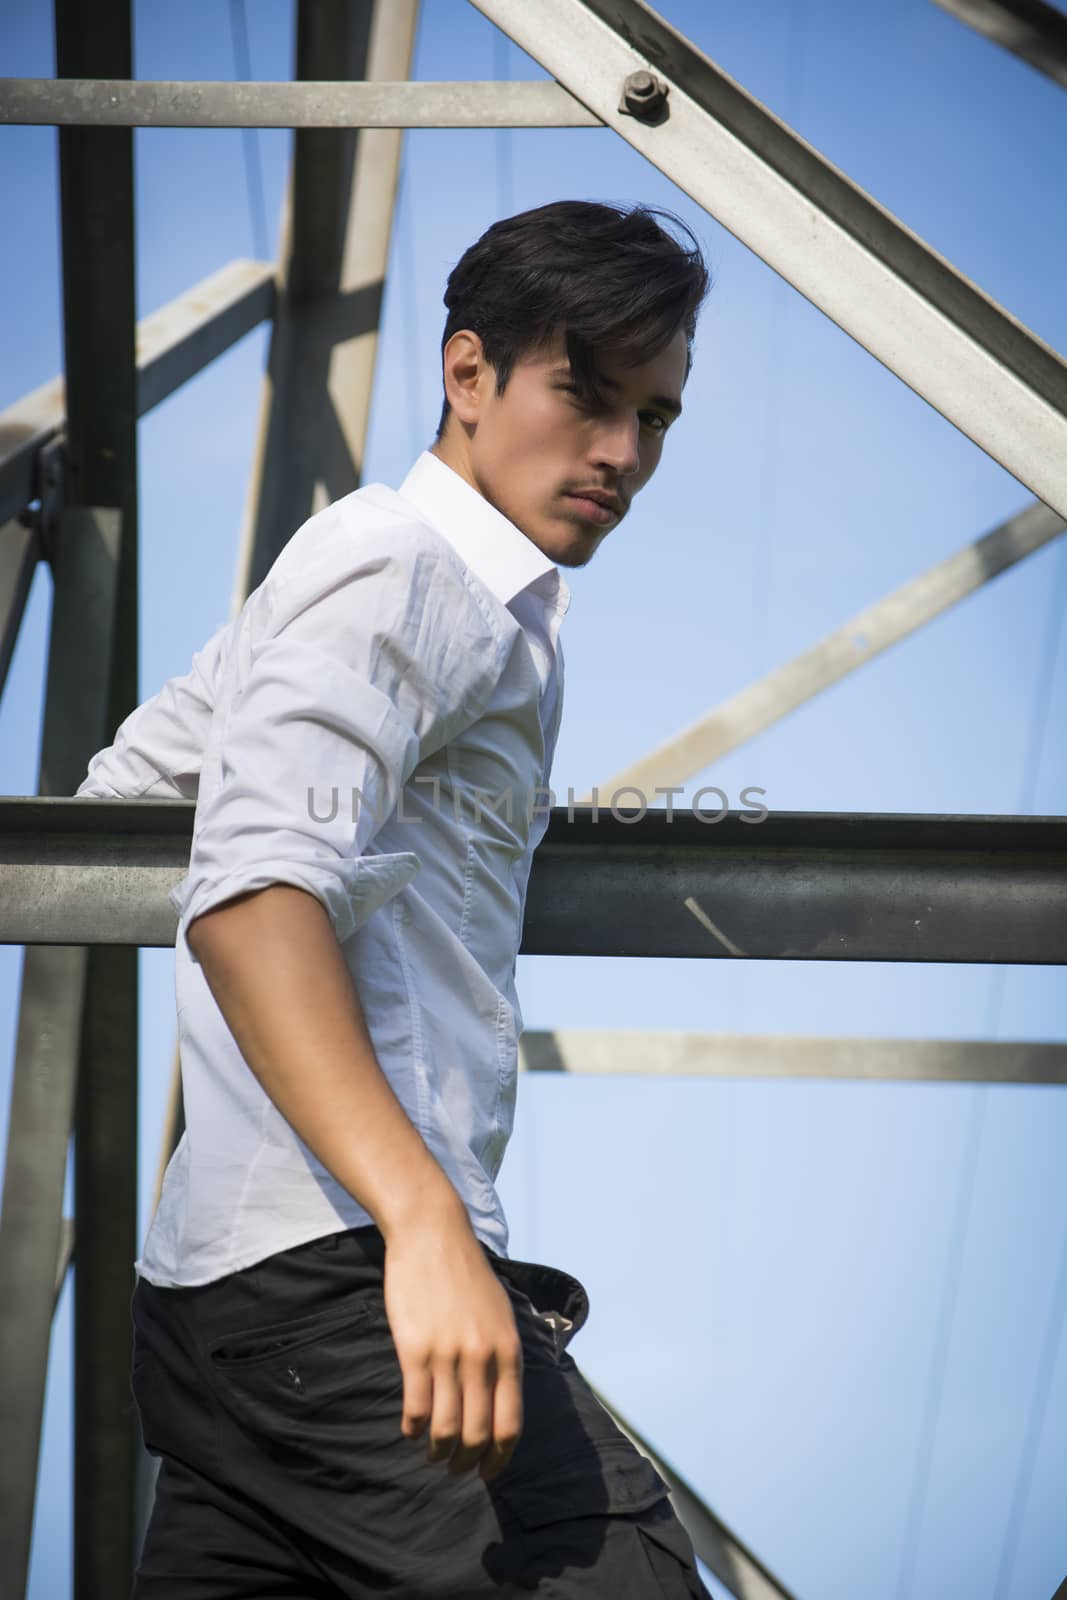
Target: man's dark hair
x=617, y=283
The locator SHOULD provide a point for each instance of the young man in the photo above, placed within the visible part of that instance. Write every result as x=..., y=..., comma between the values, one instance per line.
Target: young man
x=326, y=1280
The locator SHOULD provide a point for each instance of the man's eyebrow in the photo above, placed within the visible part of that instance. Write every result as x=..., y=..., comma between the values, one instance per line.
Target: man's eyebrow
x=665, y=401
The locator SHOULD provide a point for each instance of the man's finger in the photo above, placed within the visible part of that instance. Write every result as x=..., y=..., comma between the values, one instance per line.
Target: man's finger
x=477, y=1430
x=418, y=1399
x=507, y=1418
x=447, y=1418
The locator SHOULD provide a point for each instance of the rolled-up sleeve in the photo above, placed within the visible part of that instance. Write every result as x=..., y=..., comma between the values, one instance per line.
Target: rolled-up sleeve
x=158, y=750
x=348, y=675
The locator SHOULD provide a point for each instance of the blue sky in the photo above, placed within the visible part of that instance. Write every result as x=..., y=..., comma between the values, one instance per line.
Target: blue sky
x=836, y=1308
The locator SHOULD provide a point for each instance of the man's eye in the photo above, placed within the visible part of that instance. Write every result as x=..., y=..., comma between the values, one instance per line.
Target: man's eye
x=646, y=416
x=583, y=402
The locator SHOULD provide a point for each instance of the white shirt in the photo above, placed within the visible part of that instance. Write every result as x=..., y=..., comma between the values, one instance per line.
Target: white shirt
x=404, y=646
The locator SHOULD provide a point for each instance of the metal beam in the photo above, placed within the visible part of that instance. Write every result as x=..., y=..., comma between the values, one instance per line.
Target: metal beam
x=1031, y=29
x=799, y=886
x=107, y=1443
x=668, y=1053
x=173, y=344
x=85, y=576
x=65, y=1255
x=115, y=103
x=761, y=704
x=48, y=1045
x=808, y=886
x=184, y=337
x=732, y=1562
x=19, y=555
x=31, y=1227
x=334, y=253
x=883, y=285
x=100, y=470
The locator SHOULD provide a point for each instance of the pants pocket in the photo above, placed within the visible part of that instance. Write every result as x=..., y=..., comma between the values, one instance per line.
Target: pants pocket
x=583, y=1484
x=244, y=1347
x=309, y=1393
x=669, y=1552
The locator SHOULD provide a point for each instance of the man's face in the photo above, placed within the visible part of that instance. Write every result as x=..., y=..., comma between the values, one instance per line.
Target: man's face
x=532, y=450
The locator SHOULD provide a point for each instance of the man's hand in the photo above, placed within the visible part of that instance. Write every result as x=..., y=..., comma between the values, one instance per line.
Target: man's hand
x=459, y=1348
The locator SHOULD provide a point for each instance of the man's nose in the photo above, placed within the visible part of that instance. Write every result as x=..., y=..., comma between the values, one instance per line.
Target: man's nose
x=619, y=445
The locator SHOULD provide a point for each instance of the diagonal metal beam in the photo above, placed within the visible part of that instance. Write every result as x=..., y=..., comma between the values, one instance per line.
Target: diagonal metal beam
x=19, y=555
x=761, y=704
x=669, y=1053
x=184, y=337
x=1031, y=29
x=51, y=998
x=334, y=253
x=732, y=1562
x=173, y=344
x=66, y=1254
x=880, y=282
x=49, y=1042
x=401, y=104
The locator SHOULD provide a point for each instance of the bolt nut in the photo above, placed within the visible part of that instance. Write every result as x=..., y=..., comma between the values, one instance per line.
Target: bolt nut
x=644, y=96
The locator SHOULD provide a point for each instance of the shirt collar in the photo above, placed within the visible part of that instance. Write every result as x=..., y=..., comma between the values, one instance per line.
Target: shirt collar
x=491, y=545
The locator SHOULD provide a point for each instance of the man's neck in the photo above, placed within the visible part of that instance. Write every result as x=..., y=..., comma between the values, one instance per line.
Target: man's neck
x=456, y=459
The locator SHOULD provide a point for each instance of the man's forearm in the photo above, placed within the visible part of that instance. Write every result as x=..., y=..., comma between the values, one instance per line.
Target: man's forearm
x=273, y=964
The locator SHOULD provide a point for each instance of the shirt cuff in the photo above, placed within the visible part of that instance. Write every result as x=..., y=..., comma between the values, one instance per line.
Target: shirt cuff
x=350, y=892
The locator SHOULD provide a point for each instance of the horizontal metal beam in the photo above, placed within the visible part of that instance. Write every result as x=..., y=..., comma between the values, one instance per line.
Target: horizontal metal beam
x=807, y=886
x=173, y=344
x=667, y=1053
x=871, y=631
x=118, y=103
x=881, y=283
x=1031, y=29
x=820, y=886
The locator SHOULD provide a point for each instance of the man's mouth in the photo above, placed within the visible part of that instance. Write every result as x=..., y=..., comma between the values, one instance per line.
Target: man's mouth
x=600, y=507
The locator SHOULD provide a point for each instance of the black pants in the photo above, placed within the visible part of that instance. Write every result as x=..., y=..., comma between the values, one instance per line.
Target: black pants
x=274, y=1398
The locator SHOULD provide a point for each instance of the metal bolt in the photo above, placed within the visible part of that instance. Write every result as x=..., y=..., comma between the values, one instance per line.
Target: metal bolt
x=644, y=96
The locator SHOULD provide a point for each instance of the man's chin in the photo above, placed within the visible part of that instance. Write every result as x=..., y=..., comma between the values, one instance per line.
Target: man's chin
x=566, y=540
x=576, y=551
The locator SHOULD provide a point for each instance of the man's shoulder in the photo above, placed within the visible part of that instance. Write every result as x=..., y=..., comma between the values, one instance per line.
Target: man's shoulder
x=374, y=530
x=346, y=531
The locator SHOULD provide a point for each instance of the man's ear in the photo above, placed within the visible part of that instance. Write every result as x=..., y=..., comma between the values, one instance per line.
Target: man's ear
x=463, y=363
